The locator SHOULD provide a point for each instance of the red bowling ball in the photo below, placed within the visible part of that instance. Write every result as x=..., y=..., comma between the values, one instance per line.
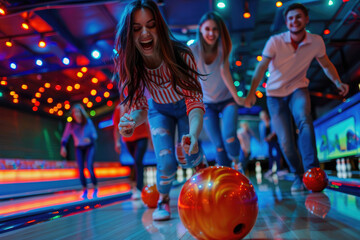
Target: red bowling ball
x=218, y=203
x=315, y=179
x=318, y=204
x=150, y=196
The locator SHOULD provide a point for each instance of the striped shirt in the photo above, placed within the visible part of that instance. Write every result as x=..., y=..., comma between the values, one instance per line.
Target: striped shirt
x=162, y=91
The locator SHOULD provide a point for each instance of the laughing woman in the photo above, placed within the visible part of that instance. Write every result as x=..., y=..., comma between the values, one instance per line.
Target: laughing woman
x=148, y=57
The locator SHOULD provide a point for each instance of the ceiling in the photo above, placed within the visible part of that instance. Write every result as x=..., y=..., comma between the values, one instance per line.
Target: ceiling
x=73, y=29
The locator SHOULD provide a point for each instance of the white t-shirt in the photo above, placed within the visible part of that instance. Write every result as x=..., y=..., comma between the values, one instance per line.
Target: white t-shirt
x=288, y=66
x=213, y=86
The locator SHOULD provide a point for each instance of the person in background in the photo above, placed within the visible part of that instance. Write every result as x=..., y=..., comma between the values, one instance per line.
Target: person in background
x=211, y=52
x=136, y=145
x=269, y=136
x=83, y=132
x=244, y=134
x=288, y=56
x=149, y=57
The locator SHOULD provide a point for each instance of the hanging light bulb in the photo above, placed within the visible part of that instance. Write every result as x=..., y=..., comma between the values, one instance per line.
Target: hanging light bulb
x=8, y=43
x=42, y=43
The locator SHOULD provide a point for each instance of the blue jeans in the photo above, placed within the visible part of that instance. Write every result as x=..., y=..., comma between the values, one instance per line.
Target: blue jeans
x=226, y=142
x=163, y=119
x=137, y=150
x=297, y=104
x=85, y=154
x=274, y=145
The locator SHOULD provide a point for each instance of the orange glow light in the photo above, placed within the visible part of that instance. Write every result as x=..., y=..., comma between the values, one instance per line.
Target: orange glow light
x=259, y=94
x=50, y=100
x=89, y=104
x=51, y=111
x=37, y=103
x=85, y=100
x=58, y=87
x=66, y=102
x=84, y=69
x=15, y=100
x=94, y=80
x=93, y=92
x=34, y=108
x=98, y=99
x=67, y=106
x=106, y=94
x=69, y=88
x=41, y=89
x=25, y=26
x=259, y=58
x=59, y=105
x=238, y=63
x=326, y=31
x=246, y=15
x=60, y=113
x=16, y=96
x=8, y=43
x=109, y=103
x=24, y=86
x=55, y=109
x=77, y=86
x=38, y=95
x=4, y=83
x=12, y=93
x=47, y=85
x=2, y=11
x=33, y=100
x=279, y=4
x=42, y=44
x=80, y=74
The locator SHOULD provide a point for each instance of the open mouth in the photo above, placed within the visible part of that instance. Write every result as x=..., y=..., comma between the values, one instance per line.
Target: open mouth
x=147, y=44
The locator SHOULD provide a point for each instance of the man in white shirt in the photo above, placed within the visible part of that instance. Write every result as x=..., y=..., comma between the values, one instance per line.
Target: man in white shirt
x=288, y=56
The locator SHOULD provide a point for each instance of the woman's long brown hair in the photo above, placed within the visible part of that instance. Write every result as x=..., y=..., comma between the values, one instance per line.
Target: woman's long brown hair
x=129, y=64
x=224, y=33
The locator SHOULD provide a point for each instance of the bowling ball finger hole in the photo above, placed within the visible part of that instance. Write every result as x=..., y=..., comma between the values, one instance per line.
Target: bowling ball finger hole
x=239, y=228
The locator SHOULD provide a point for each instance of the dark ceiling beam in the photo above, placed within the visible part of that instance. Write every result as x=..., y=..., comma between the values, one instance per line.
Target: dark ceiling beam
x=53, y=18
x=345, y=36
x=108, y=14
x=341, y=23
x=19, y=44
x=35, y=34
x=343, y=42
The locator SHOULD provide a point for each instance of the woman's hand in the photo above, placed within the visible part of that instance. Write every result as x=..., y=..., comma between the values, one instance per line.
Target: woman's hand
x=240, y=101
x=190, y=144
x=126, y=125
x=250, y=100
x=63, y=151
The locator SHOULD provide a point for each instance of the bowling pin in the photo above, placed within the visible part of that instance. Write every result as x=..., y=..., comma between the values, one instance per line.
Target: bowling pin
x=258, y=167
x=348, y=165
x=343, y=165
x=338, y=166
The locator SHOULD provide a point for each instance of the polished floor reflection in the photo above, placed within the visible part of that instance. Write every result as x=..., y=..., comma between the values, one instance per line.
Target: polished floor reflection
x=282, y=215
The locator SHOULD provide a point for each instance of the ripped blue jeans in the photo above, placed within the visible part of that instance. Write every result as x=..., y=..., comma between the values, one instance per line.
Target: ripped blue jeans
x=163, y=119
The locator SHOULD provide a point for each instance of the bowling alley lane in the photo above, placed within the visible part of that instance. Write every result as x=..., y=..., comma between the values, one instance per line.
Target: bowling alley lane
x=282, y=215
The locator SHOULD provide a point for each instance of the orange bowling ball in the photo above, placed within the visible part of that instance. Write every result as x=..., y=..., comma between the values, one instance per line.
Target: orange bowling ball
x=218, y=203
x=150, y=196
x=315, y=179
